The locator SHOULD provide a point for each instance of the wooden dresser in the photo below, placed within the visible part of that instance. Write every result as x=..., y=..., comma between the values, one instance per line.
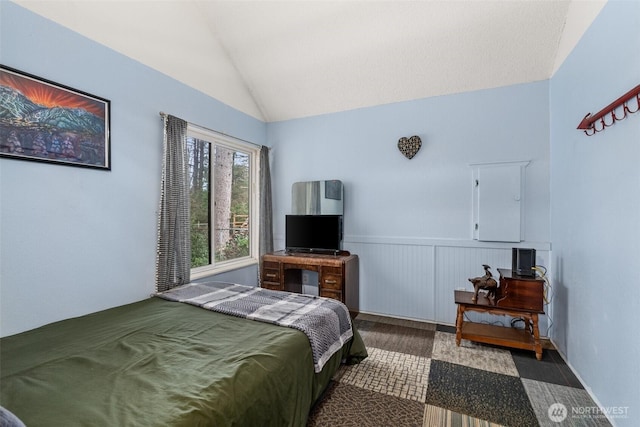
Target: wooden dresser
x=338, y=275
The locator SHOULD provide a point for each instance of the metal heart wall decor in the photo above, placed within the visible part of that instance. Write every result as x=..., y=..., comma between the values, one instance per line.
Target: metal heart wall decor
x=409, y=146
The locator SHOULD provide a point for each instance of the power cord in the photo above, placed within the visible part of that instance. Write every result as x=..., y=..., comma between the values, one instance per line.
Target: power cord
x=547, y=293
x=486, y=322
x=542, y=272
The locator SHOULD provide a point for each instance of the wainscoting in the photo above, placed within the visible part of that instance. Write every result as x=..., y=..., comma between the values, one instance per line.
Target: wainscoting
x=416, y=278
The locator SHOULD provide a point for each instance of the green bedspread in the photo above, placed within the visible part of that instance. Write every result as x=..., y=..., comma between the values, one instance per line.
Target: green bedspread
x=161, y=363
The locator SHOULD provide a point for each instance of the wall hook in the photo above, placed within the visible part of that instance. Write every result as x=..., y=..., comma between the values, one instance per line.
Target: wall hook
x=588, y=123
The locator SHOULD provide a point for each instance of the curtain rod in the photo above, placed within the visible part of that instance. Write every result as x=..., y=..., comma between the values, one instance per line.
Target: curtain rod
x=164, y=115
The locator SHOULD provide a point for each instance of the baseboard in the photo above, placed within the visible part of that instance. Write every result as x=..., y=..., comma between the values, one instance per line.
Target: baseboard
x=584, y=385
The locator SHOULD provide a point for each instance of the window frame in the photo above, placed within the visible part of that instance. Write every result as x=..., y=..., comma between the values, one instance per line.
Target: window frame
x=215, y=138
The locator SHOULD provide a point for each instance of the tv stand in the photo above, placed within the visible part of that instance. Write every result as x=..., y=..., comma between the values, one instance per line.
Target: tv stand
x=336, y=252
x=338, y=274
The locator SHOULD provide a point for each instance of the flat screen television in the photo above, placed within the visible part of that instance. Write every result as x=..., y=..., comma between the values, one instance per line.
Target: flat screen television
x=313, y=233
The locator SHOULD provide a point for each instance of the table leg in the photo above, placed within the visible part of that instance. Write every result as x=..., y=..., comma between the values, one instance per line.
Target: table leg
x=536, y=336
x=459, y=321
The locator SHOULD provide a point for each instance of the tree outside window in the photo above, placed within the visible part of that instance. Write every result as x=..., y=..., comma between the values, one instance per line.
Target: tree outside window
x=221, y=202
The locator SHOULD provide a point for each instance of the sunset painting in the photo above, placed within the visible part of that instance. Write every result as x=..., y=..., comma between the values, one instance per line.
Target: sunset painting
x=45, y=121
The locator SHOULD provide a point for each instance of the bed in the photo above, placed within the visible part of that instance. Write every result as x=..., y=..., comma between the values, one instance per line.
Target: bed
x=164, y=363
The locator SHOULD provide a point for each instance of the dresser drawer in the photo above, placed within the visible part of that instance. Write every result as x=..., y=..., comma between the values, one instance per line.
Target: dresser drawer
x=271, y=275
x=331, y=278
x=330, y=293
x=270, y=272
x=274, y=286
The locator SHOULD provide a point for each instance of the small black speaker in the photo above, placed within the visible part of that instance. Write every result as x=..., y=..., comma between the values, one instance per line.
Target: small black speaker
x=523, y=261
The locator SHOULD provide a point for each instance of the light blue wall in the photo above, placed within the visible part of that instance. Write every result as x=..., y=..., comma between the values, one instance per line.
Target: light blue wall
x=74, y=240
x=429, y=196
x=410, y=221
x=595, y=211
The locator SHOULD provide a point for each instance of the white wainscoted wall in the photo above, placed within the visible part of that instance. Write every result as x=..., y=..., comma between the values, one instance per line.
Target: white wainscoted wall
x=416, y=278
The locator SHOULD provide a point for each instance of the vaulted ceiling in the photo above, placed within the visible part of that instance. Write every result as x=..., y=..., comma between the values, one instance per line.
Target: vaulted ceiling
x=280, y=60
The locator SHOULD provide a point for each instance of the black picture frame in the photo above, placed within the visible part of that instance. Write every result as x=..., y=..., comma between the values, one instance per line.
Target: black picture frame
x=44, y=121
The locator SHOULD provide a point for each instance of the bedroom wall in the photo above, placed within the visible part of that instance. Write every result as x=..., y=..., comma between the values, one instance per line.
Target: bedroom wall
x=595, y=184
x=74, y=240
x=410, y=221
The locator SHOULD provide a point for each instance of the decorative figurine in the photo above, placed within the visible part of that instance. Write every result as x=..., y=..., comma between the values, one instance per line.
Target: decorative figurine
x=485, y=282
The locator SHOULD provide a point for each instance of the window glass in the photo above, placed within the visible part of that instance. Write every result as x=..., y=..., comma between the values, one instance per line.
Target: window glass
x=200, y=197
x=222, y=202
x=231, y=211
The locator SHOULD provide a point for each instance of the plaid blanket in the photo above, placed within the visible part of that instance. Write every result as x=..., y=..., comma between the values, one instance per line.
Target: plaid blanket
x=326, y=322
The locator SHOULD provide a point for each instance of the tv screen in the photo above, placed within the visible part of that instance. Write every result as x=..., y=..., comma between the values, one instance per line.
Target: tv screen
x=313, y=233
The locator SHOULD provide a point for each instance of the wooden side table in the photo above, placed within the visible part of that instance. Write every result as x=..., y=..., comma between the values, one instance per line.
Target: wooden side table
x=527, y=339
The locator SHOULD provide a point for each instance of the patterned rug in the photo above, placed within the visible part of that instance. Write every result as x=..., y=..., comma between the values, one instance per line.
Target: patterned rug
x=415, y=375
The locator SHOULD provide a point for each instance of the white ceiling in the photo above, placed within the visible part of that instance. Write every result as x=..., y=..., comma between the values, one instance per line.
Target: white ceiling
x=279, y=60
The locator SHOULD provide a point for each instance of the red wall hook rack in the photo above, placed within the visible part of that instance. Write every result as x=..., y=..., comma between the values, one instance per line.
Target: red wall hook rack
x=588, y=124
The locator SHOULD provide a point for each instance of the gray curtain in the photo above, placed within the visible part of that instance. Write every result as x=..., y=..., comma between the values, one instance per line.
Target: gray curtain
x=173, y=262
x=266, y=207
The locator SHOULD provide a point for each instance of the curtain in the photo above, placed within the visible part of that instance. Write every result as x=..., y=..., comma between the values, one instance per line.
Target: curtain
x=266, y=208
x=173, y=261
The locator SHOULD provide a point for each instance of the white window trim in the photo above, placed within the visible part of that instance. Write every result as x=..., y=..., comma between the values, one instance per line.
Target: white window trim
x=204, y=134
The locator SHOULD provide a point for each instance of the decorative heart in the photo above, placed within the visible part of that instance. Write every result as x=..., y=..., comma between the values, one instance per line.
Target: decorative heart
x=409, y=146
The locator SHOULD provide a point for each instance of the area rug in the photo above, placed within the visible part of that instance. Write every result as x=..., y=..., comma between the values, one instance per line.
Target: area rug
x=416, y=375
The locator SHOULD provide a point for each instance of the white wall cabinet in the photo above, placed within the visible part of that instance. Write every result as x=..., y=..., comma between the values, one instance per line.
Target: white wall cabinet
x=498, y=201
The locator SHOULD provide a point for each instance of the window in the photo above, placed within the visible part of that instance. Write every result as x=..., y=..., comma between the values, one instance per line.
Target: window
x=224, y=204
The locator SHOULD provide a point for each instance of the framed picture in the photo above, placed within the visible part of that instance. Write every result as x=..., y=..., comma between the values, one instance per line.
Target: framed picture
x=48, y=122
